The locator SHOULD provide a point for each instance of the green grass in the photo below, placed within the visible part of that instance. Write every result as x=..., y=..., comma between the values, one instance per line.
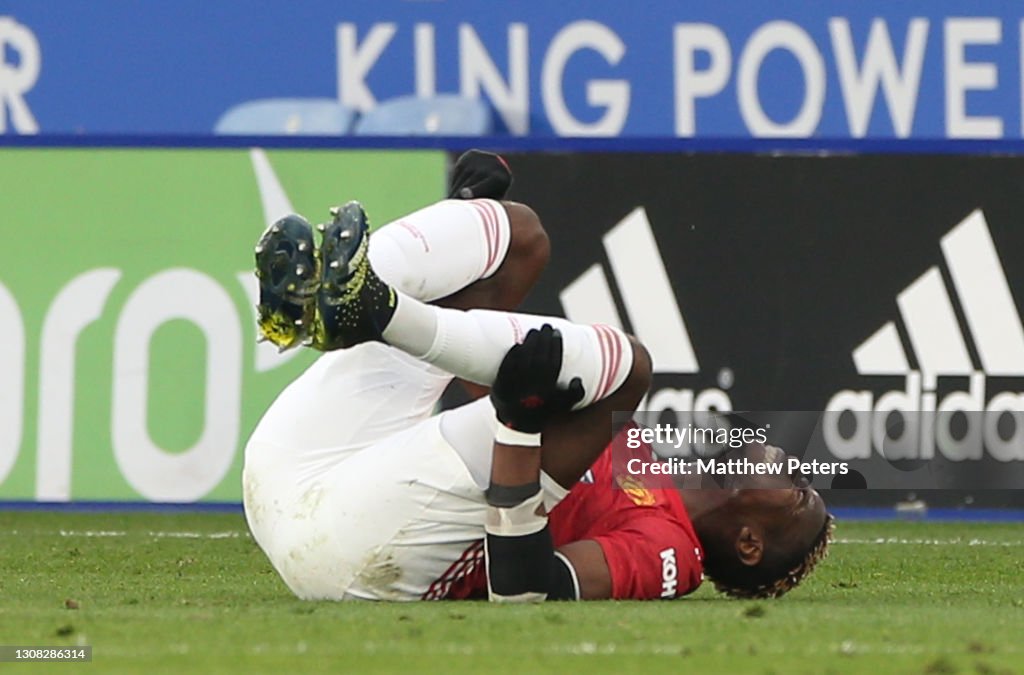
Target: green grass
x=192, y=593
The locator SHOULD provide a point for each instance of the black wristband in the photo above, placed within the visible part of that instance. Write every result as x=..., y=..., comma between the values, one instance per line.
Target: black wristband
x=505, y=496
x=518, y=566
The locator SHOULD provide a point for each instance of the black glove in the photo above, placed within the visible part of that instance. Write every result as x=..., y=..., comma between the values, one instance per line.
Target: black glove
x=526, y=393
x=480, y=175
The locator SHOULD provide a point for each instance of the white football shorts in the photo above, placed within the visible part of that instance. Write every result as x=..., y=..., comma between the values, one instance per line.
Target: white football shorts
x=349, y=486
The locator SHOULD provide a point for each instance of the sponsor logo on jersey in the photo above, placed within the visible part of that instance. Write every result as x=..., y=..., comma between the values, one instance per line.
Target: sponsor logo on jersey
x=669, y=573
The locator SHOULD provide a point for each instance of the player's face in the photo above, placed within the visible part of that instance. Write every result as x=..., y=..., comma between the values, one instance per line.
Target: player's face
x=783, y=502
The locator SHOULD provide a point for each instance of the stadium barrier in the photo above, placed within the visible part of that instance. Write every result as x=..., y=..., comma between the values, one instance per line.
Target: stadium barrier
x=868, y=283
x=129, y=356
x=949, y=69
x=879, y=287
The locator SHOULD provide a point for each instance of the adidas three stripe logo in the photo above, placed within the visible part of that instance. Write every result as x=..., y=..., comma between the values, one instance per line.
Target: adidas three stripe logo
x=646, y=292
x=650, y=305
x=931, y=324
x=939, y=341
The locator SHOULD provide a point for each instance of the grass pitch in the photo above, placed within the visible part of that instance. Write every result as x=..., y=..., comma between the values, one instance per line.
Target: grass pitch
x=192, y=593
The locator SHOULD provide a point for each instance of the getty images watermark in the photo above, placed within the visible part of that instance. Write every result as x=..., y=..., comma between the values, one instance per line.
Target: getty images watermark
x=901, y=450
x=766, y=461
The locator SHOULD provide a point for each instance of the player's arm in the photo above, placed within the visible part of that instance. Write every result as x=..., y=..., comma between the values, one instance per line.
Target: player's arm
x=593, y=576
x=522, y=565
x=652, y=556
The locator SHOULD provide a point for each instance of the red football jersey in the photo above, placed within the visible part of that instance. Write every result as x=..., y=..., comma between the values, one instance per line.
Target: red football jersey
x=645, y=532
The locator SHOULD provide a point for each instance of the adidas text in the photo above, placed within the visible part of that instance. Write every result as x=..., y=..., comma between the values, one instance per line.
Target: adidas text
x=927, y=423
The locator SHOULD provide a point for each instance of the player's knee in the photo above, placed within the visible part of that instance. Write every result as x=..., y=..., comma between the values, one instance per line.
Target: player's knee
x=638, y=380
x=529, y=248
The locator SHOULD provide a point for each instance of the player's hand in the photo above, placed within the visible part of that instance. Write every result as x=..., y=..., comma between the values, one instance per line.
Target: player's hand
x=526, y=393
x=480, y=175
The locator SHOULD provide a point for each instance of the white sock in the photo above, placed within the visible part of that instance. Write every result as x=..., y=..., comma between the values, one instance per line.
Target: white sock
x=472, y=344
x=441, y=249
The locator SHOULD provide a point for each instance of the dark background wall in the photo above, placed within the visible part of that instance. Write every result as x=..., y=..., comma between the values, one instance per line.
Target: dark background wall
x=781, y=265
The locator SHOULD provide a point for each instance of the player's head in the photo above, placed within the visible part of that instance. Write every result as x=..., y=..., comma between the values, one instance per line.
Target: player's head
x=766, y=533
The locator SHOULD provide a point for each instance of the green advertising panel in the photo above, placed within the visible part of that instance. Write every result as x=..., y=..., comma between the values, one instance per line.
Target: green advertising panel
x=129, y=359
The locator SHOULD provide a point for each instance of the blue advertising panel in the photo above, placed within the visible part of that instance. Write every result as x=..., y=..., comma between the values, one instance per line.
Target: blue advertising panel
x=943, y=69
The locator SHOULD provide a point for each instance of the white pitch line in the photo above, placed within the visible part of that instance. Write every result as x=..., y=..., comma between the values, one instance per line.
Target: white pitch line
x=234, y=534
x=927, y=542
x=158, y=535
x=636, y=649
x=847, y=647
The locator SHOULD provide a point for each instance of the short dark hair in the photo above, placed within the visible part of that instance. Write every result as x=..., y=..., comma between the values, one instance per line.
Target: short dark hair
x=777, y=579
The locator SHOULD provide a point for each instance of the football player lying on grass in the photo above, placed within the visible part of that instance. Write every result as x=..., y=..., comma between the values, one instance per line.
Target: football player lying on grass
x=355, y=489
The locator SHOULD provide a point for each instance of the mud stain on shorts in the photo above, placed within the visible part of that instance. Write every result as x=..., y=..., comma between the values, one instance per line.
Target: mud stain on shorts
x=379, y=574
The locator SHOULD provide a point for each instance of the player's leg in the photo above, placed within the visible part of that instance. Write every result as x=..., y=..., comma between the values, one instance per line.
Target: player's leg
x=426, y=506
x=382, y=525
x=571, y=442
x=527, y=256
x=333, y=444
x=355, y=305
x=471, y=345
x=479, y=254
x=455, y=253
